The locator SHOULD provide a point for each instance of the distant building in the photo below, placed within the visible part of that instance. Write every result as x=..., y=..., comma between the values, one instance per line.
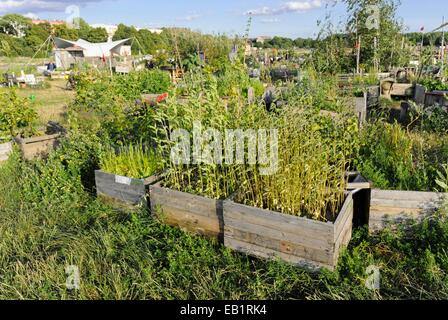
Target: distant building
x=153, y=30
x=50, y=22
x=262, y=39
x=68, y=53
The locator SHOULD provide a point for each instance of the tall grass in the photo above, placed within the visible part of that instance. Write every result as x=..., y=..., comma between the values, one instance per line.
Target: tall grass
x=134, y=161
x=395, y=158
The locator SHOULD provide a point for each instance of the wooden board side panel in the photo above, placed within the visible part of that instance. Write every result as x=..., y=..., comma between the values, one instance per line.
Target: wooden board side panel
x=294, y=237
x=192, y=213
x=135, y=193
x=258, y=251
x=5, y=151
x=389, y=208
x=39, y=146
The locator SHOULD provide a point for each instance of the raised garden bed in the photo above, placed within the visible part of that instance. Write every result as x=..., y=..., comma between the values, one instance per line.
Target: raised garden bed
x=389, y=208
x=38, y=146
x=5, y=151
x=300, y=241
x=123, y=189
x=193, y=213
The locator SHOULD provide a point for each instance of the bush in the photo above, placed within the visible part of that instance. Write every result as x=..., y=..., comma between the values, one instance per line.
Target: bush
x=17, y=116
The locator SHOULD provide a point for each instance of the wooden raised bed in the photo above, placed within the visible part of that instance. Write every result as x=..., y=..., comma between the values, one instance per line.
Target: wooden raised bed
x=5, y=151
x=296, y=240
x=38, y=146
x=123, y=189
x=389, y=208
x=189, y=212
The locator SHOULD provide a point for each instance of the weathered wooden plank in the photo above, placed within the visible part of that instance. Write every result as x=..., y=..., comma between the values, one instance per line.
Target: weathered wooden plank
x=313, y=240
x=38, y=146
x=407, y=195
x=379, y=222
x=39, y=139
x=5, y=151
x=191, y=212
x=188, y=221
x=182, y=200
x=122, y=196
x=275, y=220
x=345, y=213
x=129, y=190
x=342, y=241
x=282, y=246
x=258, y=251
x=345, y=218
x=404, y=204
x=115, y=188
x=382, y=210
x=389, y=208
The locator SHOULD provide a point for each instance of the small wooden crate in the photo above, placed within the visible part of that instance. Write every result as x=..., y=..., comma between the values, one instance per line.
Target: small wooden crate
x=189, y=212
x=38, y=146
x=5, y=151
x=300, y=241
x=389, y=208
x=123, y=189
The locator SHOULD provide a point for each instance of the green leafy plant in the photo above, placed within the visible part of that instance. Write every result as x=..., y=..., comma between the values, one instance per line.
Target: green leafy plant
x=432, y=84
x=442, y=180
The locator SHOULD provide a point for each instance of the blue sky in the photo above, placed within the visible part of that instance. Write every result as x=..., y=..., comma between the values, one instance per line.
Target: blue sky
x=270, y=17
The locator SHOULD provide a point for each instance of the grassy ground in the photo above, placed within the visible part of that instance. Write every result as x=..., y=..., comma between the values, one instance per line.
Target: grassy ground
x=51, y=103
x=17, y=64
x=49, y=220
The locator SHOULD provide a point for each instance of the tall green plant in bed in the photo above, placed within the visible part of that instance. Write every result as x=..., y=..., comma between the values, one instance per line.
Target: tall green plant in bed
x=310, y=180
x=134, y=161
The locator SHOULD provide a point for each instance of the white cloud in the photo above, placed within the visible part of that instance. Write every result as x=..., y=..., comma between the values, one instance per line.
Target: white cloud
x=270, y=20
x=24, y=6
x=290, y=6
x=190, y=17
x=31, y=16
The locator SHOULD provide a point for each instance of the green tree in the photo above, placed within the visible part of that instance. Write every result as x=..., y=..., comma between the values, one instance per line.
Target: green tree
x=14, y=25
x=62, y=31
x=376, y=24
x=97, y=35
x=124, y=32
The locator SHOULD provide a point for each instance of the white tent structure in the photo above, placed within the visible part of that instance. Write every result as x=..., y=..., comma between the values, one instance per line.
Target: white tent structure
x=69, y=52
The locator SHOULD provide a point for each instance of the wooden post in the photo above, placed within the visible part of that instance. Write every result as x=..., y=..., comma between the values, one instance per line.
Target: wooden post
x=443, y=48
x=358, y=55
